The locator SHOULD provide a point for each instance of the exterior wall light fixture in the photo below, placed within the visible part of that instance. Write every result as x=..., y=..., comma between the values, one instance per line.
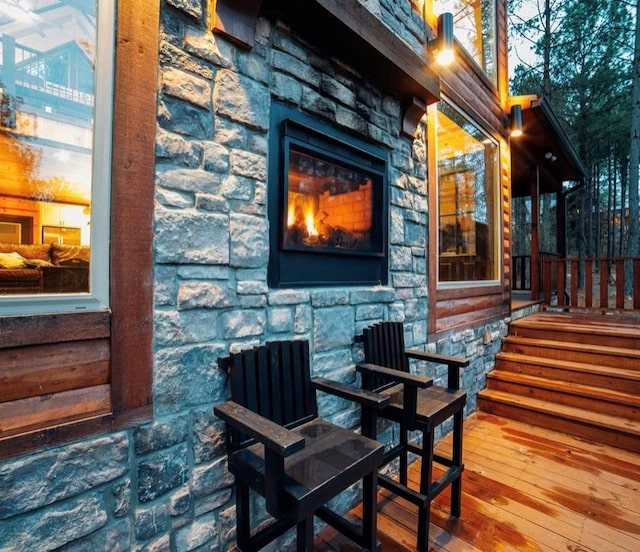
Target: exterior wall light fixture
x=514, y=121
x=443, y=44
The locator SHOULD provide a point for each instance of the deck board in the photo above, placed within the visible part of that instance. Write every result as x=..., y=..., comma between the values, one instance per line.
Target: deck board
x=525, y=489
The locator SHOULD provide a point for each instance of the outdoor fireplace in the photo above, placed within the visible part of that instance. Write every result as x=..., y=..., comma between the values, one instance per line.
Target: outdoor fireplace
x=327, y=204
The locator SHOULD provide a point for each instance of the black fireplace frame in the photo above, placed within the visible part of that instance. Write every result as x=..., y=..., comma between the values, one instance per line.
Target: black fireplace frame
x=307, y=267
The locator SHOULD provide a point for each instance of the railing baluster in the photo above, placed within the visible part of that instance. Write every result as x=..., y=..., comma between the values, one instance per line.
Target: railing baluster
x=546, y=276
x=620, y=283
x=560, y=282
x=588, y=285
x=604, y=283
x=636, y=284
x=574, y=283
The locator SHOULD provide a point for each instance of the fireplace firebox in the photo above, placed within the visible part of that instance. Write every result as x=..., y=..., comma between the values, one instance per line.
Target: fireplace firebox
x=327, y=204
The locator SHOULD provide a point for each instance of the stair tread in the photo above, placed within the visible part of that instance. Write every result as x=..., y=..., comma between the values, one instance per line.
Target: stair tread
x=623, y=373
x=566, y=345
x=602, y=393
x=615, y=423
x=623, y=325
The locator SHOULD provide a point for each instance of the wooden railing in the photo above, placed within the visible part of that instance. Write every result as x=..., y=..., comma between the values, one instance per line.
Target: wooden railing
x=591, y=284
x=528, y=275
x=576, y=283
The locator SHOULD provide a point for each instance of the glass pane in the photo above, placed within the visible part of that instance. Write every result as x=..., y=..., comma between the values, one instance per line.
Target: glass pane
x=329, y=205
x=47, y=58
x=474, y=23
x=467, y=188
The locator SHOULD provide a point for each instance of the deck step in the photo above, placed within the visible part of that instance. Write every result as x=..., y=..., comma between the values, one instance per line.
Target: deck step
x=595, y=399
x=603, y=428
x=603, y=355
x=614, y=331
x=619, y=379
x=575, y=373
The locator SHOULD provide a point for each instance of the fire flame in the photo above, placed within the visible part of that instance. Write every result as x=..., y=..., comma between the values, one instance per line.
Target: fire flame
x=302, y=215
x=310, y=222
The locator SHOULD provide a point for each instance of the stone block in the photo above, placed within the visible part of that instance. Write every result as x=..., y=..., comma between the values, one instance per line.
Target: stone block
x=151, y=521
x=333, y=328
x=53, y=527
x=241, y=99
x=184, y=118
x=185, y=377
x=249, y=241
x=202, y=531
x=160, y=435
x=162, y=472
x=188, y=237
x=208, y=436
x=238, y=324
x=34, y=481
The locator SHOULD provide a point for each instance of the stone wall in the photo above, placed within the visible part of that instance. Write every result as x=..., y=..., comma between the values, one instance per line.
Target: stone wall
x=164, y=486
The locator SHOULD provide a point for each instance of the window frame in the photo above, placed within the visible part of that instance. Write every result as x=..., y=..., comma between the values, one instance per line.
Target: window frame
x=128, y=324
x=495, y=190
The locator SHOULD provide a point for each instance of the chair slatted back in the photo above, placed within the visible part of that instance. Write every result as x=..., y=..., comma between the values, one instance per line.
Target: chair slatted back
x=384, y=345
x=274, y=381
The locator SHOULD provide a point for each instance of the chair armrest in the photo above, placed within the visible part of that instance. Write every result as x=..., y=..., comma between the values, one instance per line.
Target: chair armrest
x=361, y=396
x=271, y=435
x=414, y=380
x=451, y=361
x=453, y=365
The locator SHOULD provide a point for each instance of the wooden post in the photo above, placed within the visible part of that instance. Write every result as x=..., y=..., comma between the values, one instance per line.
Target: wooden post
x=535, y=240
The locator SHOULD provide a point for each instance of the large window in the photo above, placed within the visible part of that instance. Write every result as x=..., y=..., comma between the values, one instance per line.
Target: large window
x=475, y=29
x=56, y=66
x=70, y=370
x=467, y=199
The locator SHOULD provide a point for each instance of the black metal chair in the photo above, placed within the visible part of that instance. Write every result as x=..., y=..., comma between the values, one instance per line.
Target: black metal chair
x=415, y=404
x=278, y=447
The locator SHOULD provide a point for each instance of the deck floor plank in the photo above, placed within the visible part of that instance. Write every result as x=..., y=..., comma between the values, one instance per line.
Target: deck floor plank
x=525, y=489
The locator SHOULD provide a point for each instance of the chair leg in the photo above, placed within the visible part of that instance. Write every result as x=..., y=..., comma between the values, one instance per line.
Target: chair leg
x=304, y=535
x=370, y=511
x=404, y=456
x=456, y=486
x=426, y=473
x=243, y=516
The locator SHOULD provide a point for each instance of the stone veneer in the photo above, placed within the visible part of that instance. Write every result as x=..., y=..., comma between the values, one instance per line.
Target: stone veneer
x=164, y=486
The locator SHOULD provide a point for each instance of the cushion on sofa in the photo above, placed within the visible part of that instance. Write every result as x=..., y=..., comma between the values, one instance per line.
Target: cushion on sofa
x=28, y=251
x=70, y=255
x=11, y=260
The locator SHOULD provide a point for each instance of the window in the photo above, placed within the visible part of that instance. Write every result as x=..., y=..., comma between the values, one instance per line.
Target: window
x=474, y=23
x=70, y=374
x=467, y=199
x=56, y=68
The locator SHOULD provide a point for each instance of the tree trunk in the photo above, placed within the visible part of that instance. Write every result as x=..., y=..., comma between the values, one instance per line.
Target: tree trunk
x=634, y=156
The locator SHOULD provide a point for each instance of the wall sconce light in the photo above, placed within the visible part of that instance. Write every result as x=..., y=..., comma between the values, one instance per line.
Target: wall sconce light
x=550, y=157
x=443, y=44
x=515, y=121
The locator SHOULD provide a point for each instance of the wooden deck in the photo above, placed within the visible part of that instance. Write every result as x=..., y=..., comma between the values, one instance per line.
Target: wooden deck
x=525, y=489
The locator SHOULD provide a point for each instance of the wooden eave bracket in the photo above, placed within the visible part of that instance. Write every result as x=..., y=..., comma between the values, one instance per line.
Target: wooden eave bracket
x=413, y=114
x=236, y=20
x=346, y=31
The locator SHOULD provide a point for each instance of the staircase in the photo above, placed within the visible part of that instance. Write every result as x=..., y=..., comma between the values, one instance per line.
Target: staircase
x=575, y=373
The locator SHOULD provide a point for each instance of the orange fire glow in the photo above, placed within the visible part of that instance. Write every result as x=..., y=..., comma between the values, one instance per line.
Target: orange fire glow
x=302, y=213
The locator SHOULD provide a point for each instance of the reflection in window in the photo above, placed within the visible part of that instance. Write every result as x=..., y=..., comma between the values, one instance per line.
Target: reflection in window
x=474, y=23
x=47, y=57
x=467, y=199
